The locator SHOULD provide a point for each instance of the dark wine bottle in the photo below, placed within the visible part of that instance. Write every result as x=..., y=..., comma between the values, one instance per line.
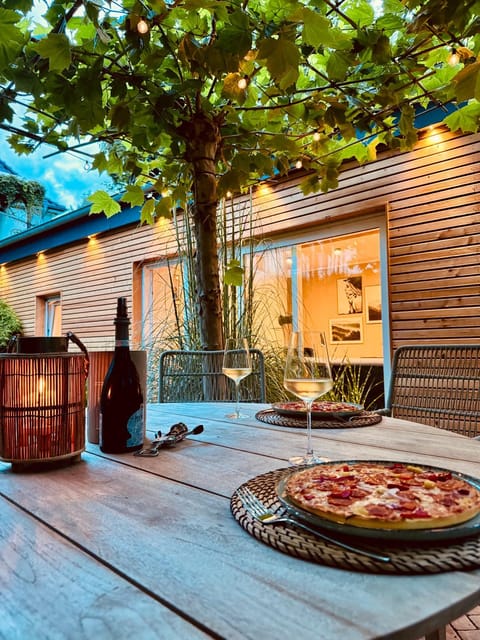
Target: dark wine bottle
x=121, y=402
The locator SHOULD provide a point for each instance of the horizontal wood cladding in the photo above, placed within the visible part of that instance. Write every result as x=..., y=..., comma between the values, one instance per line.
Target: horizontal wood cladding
x=432, y=196
x=434, y=248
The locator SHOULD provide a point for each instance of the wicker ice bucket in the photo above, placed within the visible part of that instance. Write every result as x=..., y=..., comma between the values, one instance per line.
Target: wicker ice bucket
x=42, y=406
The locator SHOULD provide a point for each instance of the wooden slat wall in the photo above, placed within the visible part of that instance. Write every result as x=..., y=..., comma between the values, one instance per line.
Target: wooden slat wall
x=433, y=203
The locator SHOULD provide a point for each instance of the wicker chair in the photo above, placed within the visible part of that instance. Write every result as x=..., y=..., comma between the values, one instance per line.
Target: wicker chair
x=196, y=376
x=437, y=385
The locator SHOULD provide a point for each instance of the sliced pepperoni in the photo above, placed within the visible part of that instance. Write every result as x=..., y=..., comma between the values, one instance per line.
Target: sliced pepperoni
x=418, y=513
x=379, y=510
x=408, y=505
x=340, y=502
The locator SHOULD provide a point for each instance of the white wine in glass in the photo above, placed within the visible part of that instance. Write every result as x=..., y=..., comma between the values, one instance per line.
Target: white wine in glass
x=237, y=365
x=308, y=375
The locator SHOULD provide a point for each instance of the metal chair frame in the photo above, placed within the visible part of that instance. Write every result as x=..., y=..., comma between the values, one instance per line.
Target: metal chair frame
x=437, y=385
x=196, y=376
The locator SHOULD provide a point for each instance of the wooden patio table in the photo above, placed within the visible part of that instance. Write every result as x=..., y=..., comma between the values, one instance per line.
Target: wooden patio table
x=121, y=546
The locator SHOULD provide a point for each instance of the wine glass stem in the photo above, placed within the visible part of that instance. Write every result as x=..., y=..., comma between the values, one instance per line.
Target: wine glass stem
x=309, y=428
x=237, y=392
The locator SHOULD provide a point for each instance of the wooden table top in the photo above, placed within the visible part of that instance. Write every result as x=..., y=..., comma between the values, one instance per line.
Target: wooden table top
x=121, y=546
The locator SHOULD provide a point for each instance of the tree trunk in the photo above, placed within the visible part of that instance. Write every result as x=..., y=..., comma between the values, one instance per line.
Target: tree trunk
x=203, y=139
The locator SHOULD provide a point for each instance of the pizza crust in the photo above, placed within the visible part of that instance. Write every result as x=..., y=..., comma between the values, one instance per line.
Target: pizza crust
x=442, y=500
x=404, y=525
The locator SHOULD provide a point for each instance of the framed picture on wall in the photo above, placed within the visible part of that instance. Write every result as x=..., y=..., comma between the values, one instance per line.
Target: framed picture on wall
x=373, y=303
x=349, y=295
x=343, y=330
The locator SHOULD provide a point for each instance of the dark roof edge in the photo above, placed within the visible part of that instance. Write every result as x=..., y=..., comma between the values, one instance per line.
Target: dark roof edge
x=64, y=229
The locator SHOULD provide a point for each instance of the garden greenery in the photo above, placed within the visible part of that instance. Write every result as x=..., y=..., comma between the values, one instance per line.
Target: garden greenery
x=16, y=191
x=10, y=324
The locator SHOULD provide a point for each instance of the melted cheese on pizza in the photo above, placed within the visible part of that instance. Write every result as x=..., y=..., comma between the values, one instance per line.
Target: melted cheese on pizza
x=390, y=495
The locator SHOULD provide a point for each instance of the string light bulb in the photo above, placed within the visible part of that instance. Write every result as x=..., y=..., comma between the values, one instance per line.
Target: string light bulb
x=142, y=26
x=242, y=83
x=460, y=54
x=298, y=164
x=453, y=58
x=316, y=136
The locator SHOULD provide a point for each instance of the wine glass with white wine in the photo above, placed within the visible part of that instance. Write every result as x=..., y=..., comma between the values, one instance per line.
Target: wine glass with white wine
x=237, y=365
x=308, y=375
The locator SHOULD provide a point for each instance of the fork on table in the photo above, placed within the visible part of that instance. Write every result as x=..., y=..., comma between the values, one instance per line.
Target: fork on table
x=260, y=512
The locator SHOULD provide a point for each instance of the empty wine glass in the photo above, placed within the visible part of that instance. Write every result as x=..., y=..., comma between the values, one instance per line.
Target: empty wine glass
x=237, y=365
x=308, y=375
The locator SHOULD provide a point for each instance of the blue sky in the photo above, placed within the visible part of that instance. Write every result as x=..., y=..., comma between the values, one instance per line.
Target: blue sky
x=65, y=176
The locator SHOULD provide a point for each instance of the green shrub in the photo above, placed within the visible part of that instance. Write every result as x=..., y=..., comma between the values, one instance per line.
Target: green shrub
x=9, y=324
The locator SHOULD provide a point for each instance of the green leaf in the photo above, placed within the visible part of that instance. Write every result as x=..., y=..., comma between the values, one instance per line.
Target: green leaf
x=100, y=162
x=235, y=37
x=134, y=196
x=55, y=47
x=389, y=23
x=120, y=115
x=230, y=181
x=466, y=119
x=338, y=65
x=361, y=12
x=318, y=32
x=19, y=5
x=163, y=208
x=381, y=50
x=233, y=274
x=6, y=112
x=467, y=82
x=103, y=203
x=147, y=212
x=282, y=59
x=11, y=39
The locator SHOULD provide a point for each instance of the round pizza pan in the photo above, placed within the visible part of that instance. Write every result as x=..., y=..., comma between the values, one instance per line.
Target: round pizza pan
x=463, y=530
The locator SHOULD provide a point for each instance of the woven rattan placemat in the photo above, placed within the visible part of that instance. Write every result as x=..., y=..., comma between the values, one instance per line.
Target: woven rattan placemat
x=406, y=558
x=364, y=419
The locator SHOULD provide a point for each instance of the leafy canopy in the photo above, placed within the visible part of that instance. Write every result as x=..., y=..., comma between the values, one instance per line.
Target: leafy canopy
x=286, y=82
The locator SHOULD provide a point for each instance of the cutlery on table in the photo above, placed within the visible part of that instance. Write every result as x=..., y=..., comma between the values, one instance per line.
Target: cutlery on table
x=261, y=513
x=177, y=433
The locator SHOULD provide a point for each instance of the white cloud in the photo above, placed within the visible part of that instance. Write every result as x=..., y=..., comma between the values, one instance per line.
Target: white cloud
x=64, y=176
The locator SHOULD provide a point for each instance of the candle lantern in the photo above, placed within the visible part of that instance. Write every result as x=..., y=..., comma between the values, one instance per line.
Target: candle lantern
x=42, y=403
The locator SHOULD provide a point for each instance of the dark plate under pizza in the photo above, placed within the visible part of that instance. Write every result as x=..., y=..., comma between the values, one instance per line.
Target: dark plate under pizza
x=396, y=500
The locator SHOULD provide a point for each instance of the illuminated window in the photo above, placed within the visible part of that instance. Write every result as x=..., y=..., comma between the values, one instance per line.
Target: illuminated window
x=332, y=284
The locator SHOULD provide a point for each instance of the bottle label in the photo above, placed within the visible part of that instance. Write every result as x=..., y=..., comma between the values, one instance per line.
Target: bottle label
x=135, y=428
x=121, y=343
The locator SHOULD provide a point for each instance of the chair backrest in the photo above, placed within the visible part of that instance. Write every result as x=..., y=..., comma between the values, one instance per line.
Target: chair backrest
x=437, y=385
x=196, y=376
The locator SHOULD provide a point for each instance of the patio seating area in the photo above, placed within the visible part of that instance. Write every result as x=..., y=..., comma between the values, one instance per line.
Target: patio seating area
x=196, y=376
x=437, y=385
